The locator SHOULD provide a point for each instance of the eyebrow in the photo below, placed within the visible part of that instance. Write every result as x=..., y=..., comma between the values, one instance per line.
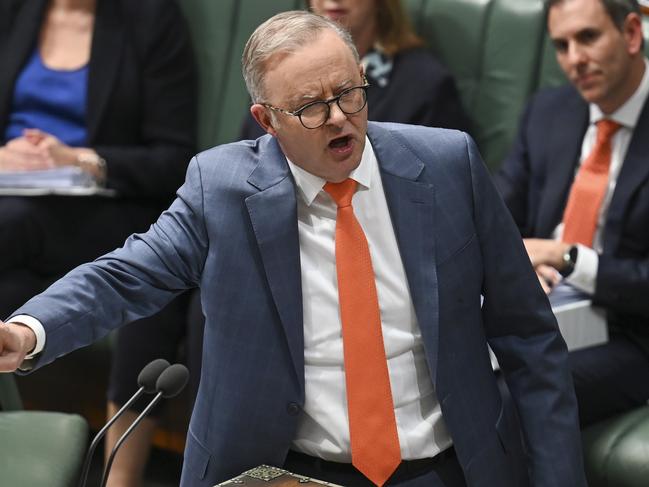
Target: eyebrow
x=307, y=98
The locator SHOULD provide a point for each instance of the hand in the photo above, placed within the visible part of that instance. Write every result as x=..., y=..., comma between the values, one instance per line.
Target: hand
x=58, y=153
x=546, y=252
x=16, y=161
x=548, y=277
x=16, y=341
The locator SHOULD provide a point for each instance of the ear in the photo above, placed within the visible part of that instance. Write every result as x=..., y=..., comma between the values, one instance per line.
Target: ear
x=261, y=114
x=632, y=31
x=361, y=69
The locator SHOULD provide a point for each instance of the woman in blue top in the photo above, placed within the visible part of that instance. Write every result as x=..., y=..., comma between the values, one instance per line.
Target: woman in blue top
x=107, y=86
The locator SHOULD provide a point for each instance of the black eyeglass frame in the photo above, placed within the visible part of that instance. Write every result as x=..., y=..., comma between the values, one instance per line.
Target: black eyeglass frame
x=298, y=113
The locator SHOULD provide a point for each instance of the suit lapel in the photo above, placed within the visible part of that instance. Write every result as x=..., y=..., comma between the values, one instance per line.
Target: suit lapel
x=273, y=213
x=565, y=139
x=106, y=56
x=634, y=172
x=412, y=210
x=17, y=49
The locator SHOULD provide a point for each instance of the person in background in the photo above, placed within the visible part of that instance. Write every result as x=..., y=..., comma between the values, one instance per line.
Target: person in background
x=341, y=264
x=407, y=83
x=577, y=184
x=106, y=86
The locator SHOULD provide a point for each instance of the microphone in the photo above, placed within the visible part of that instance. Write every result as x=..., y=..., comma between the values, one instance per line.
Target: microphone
x=147, y=381
x=171, y=381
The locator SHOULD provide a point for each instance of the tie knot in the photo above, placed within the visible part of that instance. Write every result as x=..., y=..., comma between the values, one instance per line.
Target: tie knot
x=341, y=193
x=606, y=129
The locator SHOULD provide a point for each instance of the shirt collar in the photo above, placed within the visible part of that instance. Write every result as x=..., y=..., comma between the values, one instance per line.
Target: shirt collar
x=309, y=185
x=627, y=115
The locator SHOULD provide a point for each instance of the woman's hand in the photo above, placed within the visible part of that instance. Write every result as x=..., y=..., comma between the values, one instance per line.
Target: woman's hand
x=51, y=148
x=12, y=160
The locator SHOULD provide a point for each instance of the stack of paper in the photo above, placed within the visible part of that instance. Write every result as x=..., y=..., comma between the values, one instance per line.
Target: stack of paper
x=61, y=177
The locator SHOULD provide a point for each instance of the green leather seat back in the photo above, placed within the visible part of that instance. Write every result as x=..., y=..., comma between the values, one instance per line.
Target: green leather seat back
x=616, y=451
x=220, y=30
x=492, y=47
x=41, y=449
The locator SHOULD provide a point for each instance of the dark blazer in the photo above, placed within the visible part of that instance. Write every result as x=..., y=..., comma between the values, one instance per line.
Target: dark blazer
x=233, y=231
x=141, y=108
x=421, y=91
x=535, y=180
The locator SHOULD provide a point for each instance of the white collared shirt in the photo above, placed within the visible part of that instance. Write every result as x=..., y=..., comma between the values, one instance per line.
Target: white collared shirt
x=584, y=276
x=323, y=429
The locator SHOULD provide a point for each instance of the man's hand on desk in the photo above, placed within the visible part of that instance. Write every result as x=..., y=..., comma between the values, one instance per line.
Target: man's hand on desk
x=547, y=257
x=548, y=276
x=16, y=341
x=546, y=251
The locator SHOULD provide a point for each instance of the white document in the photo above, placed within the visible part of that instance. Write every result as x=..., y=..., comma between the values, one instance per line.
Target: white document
x=68, y=181
x=60, y=177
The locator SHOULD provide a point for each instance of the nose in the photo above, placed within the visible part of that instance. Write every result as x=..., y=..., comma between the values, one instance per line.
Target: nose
x=575, y=54
x=336, y=116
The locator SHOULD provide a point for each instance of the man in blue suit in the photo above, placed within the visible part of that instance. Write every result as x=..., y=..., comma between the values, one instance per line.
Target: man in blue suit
x=256, y=226
x=549, y=171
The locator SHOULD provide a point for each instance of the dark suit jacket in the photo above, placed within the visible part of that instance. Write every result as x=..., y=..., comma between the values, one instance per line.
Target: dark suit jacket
x=535, y=181
x=141, y=108
x=421, y=91
x=233, y=230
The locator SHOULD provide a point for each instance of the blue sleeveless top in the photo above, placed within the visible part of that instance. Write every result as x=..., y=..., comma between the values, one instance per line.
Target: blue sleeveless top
x=51, y=100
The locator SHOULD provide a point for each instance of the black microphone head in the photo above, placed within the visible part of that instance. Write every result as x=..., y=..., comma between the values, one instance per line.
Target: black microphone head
x=150, y=374
x=172, y=380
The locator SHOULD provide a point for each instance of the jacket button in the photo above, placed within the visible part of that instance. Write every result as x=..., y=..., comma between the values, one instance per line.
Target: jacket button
x=292, y=408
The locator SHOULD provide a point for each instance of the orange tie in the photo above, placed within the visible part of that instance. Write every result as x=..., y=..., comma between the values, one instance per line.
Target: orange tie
x=372, y=427
x=589, y=188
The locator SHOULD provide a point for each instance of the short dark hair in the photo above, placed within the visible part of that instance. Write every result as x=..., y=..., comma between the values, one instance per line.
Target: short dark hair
x=617, y=10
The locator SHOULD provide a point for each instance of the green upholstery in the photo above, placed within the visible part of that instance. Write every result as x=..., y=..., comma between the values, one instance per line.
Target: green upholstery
x=40, y=449
x=616, y=451
x=219, y=31
x=9, y=395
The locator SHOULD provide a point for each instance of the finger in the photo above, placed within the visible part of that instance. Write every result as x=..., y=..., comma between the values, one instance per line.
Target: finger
x=550, y=274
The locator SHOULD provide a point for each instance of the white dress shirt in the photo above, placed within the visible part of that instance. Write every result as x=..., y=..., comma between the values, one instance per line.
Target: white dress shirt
x=584, y=275
x=323, y=428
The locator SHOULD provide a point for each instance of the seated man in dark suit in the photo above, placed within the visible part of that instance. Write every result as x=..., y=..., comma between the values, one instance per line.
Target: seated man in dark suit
x=341, y=264
x=577, y=183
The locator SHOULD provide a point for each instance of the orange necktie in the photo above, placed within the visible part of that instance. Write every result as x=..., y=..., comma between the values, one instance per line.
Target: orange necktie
x=372, y=426
x=589, y=188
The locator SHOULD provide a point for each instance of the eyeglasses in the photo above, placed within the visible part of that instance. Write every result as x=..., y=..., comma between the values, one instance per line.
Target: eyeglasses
x=315, y=114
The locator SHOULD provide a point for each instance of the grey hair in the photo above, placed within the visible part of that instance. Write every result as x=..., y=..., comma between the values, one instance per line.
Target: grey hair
x=617, y=10
x=285, y=32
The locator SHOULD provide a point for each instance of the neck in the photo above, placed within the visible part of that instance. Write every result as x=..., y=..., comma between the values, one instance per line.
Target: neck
x=632, y=82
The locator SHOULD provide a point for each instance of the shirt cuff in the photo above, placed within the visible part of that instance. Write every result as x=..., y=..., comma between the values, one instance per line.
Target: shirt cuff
x=584, y=276
x=37, y=327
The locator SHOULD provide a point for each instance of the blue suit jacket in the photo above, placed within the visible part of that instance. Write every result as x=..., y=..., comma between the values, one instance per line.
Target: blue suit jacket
x=233, y=230
x=535, y=181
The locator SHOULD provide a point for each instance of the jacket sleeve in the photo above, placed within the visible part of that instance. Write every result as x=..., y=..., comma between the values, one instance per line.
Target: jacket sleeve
x=523, y=334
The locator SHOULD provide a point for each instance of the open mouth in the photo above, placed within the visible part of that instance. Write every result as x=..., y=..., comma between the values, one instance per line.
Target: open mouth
x=340, y=143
